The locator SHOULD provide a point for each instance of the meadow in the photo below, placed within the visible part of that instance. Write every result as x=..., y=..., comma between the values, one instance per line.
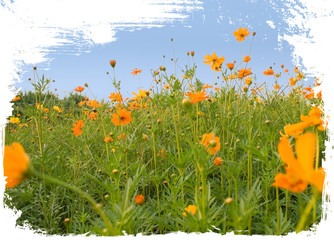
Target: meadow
x=242, y=155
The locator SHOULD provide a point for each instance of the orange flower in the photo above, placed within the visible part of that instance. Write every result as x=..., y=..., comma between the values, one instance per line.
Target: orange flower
x=122, y=135
x=218, y=161
x=197, y=97
x=116, y=97
x=79, y=89
x=92, y=115
x=108, y=139
x=244, y=72
x=230, y=65
x=15, y=164
x=93, y=103
x=268, y=72
x=207, y=86
x=140, y=199
x=190, y=209
x=142, y=94
x=122, y=117
x=214, y=61
x=240, y=34
x=292, y=82
x=135, y=71
x=166, y=86
x=248, y=81
x=247, y=59
x=77, y=127
x=16, y=98
x=299, y=172
x=211, y=143
x=313, y=119
x=276, y=86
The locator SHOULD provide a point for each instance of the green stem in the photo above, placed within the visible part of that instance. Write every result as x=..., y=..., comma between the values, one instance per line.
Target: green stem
x=83, y=194
x=311, y=204
x=277, y=212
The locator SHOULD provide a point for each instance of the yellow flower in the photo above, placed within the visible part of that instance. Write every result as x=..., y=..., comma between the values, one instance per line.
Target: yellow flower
x=14, y=120
x=57, y=109
x=190, y=209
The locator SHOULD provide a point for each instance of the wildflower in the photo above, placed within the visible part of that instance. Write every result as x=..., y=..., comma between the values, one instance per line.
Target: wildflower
x=211, y=143
x=192, y=53
x=16, y=98
x=14, y=120
x=199, y=113
x=79, y=89
x=135, y=71
x=313, y=119
x=214, y=61
x=230, y=66
x=190, y=209
x=216, y=89
x=218, y=161
x=92, y=116
x=46, y=110
x=166, y=86
x=77, y=127
x=57, y=109
x=276, y=86
x=140, y=199
x=39, y=106
x=142, y=94
x=244, y=72
x=248, y=81
x=197, y=97
x=299, y=172
x=268, y=72
x=162, y=153
x=240, y=34
x=108, y=139
x=162, y=68
x=93, y=103
x=292, y=82
x=116, y=97
x=207, y=86
x=247, y=59
x=121, y=136
x=122, y=117
x=112, y=63
x=15, y=164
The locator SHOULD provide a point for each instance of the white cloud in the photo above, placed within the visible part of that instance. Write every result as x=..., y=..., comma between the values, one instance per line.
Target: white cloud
x=271, y=24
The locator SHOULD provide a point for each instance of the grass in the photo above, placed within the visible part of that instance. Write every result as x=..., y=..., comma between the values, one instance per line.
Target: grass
x=80, y=184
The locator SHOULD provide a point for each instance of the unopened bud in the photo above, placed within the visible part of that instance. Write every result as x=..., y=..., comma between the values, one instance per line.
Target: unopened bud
x=112, y=63
x=228, y=200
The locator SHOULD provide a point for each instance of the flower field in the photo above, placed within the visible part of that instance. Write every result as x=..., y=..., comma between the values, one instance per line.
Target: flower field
x=242, y=155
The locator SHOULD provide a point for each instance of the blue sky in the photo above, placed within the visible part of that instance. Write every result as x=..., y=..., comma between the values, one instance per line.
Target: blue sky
x=203, y=31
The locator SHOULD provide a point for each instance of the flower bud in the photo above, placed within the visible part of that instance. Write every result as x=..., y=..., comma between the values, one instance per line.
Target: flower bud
x=112, y=63
x=228, y=200
x=186, y=103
